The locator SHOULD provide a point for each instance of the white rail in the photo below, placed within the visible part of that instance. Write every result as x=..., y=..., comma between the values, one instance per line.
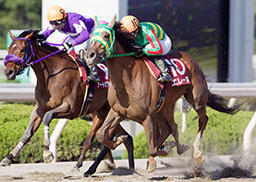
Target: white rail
x=15, y=92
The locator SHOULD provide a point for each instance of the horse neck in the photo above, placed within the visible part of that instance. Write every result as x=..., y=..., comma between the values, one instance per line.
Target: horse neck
x=46, y=67
x=124, y=71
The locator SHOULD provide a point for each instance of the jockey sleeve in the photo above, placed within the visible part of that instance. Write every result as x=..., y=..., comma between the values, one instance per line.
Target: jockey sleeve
x=76, y=26
x=48, y=32
x=150, y=34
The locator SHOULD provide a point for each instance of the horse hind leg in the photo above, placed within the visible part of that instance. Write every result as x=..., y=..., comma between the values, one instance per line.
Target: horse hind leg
x=199, y=104
x=197, y=154
x=169, y=118
x=181, y=148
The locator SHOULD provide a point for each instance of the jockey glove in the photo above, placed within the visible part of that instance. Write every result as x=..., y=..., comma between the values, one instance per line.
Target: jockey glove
x=138, y=51
x=40, y=40
x=67, y=46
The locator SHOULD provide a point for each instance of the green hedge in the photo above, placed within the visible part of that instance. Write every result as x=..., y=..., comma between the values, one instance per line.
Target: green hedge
x=14, y=119
x=223, y=134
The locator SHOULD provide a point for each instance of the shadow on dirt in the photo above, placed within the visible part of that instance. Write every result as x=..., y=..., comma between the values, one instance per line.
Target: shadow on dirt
x=240, y=166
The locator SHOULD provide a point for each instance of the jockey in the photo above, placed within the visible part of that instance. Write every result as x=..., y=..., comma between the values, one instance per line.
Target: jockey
x=77, y=27
x=153, y=40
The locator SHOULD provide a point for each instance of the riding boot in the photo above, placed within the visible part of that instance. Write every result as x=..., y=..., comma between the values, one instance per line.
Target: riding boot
x=165, y=75
x=93, y=75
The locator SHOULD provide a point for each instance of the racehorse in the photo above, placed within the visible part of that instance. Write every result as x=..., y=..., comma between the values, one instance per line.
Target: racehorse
x=59, y=93
x=134, y=92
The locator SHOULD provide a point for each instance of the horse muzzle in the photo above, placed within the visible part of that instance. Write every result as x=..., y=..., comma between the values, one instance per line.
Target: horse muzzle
x=90, y=58
x=10, y=74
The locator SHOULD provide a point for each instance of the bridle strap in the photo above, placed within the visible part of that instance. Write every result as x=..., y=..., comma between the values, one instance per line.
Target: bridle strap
x=33, y=54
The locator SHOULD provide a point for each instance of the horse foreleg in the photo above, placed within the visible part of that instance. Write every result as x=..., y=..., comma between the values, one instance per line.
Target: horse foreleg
x=97, y=161
x=128, y=144
x=34, y=123
x=96, y=124
x=48, y=116
x=111, y=122
x=151, y=133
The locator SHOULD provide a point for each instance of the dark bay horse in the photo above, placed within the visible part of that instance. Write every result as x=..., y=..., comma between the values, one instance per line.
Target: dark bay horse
x=59, y=93
x=134, y=92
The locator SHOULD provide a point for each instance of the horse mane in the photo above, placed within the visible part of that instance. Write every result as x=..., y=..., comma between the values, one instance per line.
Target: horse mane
x=125, y=39
x=38, y=38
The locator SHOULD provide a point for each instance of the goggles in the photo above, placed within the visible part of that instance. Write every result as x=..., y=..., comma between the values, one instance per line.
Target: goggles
x=57, y=22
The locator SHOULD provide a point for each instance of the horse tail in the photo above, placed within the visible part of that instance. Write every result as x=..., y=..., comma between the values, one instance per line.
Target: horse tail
x=218, y=103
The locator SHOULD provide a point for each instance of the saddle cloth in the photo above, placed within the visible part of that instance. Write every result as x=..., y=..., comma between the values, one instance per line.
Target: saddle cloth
x=176, y=67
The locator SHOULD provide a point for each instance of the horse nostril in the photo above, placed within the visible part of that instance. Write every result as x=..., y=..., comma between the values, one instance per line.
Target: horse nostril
x=9, y=72
x=92, y=55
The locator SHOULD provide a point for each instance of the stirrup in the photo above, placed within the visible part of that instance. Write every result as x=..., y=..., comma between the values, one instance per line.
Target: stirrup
x=164, y=78
x=93, y=78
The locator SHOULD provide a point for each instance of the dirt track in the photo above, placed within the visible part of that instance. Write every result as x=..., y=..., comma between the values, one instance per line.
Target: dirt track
x=220, y=168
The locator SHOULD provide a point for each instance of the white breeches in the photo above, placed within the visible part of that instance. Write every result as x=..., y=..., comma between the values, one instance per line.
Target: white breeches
x=58, y=38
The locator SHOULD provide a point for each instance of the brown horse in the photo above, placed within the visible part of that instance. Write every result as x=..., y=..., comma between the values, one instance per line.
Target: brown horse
x=134, y=92
x=59, y=93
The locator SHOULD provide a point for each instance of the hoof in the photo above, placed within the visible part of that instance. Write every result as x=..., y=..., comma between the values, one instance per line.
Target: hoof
x=48, y=156
x=151, y=166
x=109, y=165
x=168, y=146
x=87, y=174
x=119, y=140
x=76, y=168
x=199, y=158
x=5, y=162
x=122, y=138
x=182, y=149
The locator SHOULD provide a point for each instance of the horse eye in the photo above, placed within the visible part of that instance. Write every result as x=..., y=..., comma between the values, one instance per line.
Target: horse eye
x=23, y=50
x=106, y=36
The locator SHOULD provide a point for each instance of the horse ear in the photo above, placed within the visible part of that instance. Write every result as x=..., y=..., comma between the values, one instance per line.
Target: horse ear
x=112, y=23
x=11, y=35
x=96, y=21
x=29, y=36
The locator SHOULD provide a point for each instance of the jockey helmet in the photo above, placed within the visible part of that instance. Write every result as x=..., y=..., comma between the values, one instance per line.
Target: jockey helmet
x=56, y=13
x=130, y=23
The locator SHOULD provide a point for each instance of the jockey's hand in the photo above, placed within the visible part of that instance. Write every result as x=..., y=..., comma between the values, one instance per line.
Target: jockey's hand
x=67, y=46
x=138, y=52
x=40, y=39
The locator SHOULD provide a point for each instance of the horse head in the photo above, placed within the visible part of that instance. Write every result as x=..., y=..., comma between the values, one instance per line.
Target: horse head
x=101, y=43
x=19, y=52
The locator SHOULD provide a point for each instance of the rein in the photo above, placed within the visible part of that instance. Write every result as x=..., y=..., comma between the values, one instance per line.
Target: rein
x=21, y=61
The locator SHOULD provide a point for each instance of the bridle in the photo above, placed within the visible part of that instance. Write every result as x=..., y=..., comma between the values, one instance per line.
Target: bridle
x=26, y=61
